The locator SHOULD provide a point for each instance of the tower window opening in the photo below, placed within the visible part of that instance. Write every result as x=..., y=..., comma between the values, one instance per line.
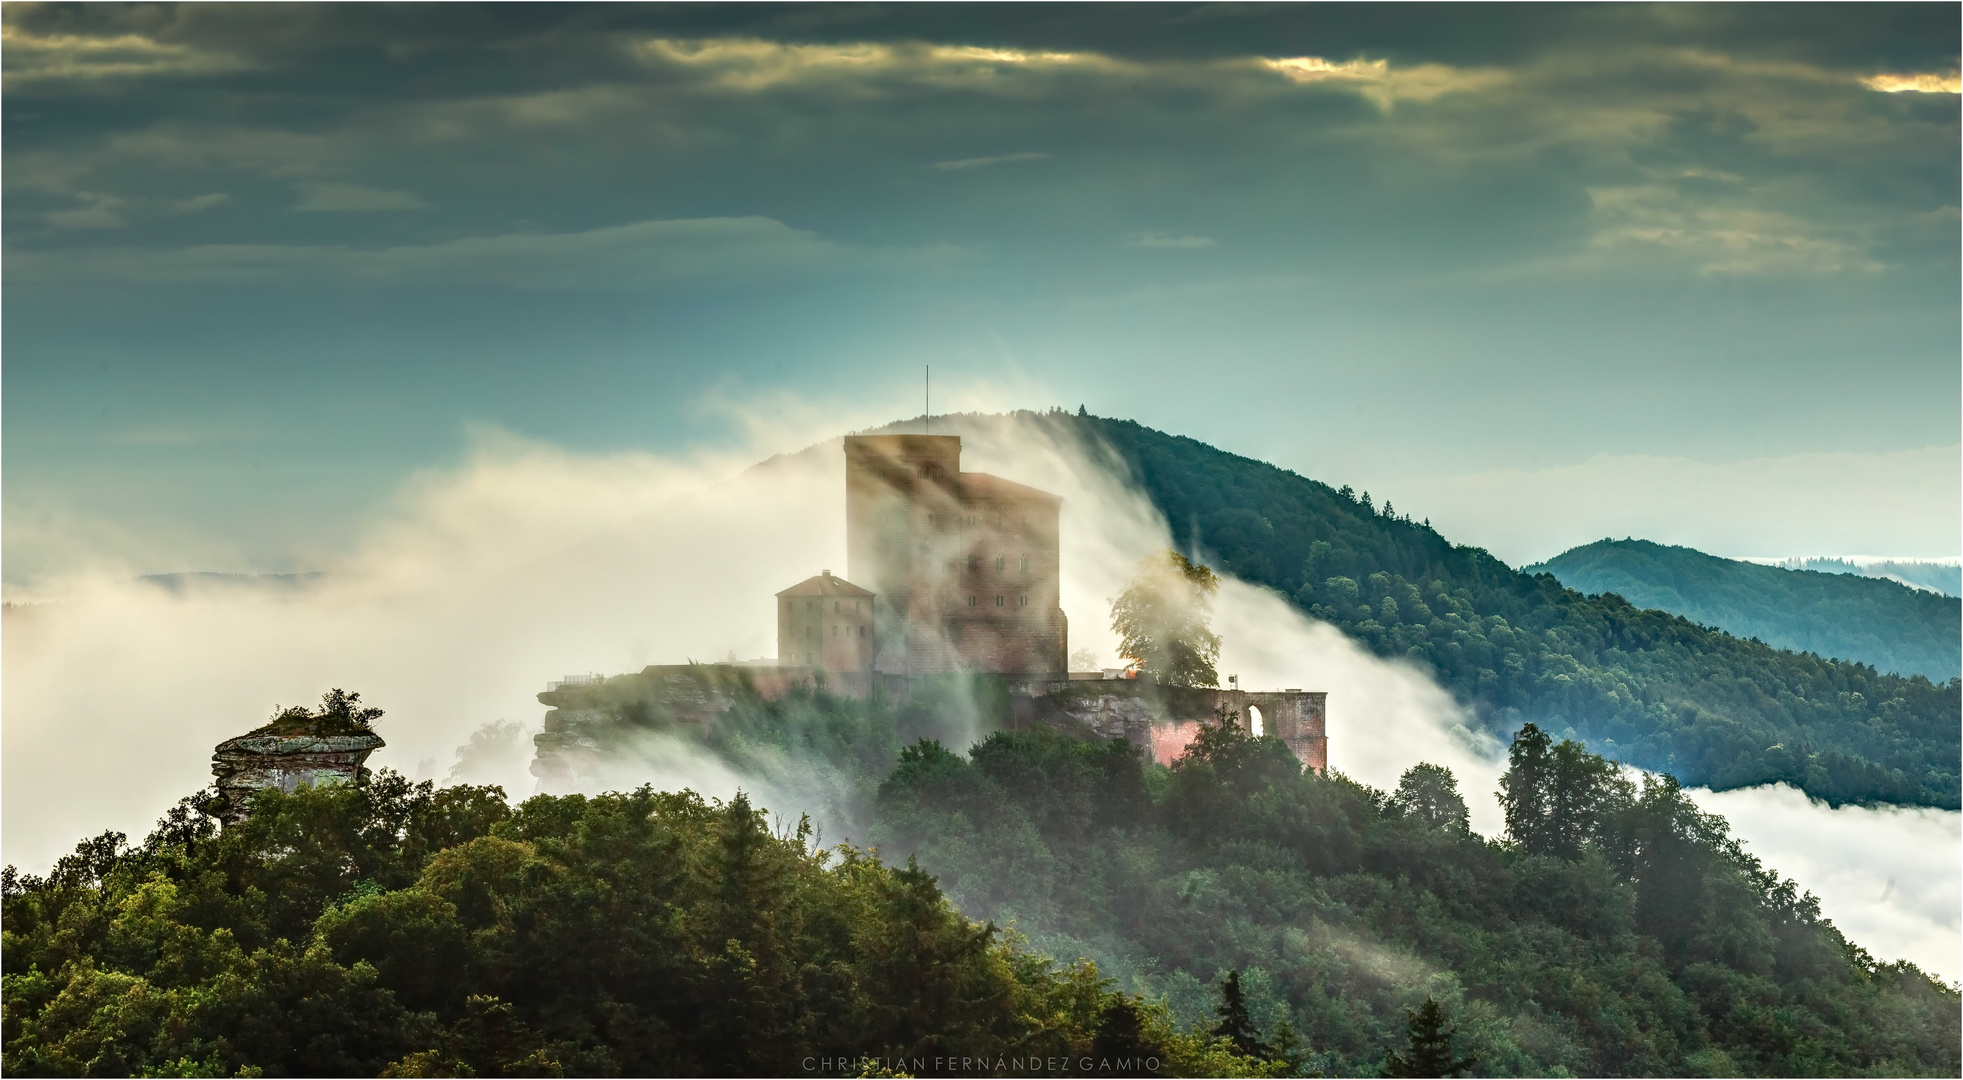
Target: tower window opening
x=1023, y=600
x=999, y=563
x=972, y=601
x=1024, y=563
x=998, y=599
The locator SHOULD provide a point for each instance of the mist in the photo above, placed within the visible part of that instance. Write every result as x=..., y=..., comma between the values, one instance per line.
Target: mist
x=478, y=585
x=481, y=583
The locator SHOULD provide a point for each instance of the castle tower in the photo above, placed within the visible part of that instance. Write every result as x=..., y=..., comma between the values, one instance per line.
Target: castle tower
x=965, y=565
x=825, y=622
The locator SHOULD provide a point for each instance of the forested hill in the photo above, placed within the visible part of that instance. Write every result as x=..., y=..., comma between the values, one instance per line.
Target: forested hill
x=1873, y=620
x=1652, y=689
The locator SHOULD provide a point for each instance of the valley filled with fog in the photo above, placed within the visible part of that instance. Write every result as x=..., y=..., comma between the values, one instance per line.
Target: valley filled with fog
x=481, y=583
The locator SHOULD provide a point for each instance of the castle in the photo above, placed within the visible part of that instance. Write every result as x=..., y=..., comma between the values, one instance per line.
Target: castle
x=955, y=573
x=947, y=572
x=961, y=568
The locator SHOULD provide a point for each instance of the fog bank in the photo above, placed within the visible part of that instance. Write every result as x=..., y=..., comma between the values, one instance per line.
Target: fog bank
x=1891, y=878
x=483, y=582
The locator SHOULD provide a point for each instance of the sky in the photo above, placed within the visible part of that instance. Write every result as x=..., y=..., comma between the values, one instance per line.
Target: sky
x=1539, y=274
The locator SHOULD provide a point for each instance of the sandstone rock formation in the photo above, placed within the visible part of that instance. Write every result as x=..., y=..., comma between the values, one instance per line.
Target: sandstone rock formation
x=253, y=763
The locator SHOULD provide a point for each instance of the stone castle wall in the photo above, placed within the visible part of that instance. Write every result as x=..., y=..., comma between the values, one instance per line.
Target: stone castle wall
x=1165, y=721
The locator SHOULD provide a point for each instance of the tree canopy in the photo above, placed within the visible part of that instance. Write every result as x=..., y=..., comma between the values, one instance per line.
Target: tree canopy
x=1875, y=621
x=1653, y=689
x=1164, y=620
x=1033, y=896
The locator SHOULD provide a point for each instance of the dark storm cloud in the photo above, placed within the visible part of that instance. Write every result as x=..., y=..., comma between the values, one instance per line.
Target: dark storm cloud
x=1734, y=138
x=1427, y=227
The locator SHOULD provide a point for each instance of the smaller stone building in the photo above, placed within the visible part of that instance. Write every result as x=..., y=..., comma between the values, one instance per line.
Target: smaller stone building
x=826, y=623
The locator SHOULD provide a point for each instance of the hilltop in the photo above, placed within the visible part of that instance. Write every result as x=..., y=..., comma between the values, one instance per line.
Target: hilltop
x=1230, y=915
x=1869, y=619
x=1653, y=689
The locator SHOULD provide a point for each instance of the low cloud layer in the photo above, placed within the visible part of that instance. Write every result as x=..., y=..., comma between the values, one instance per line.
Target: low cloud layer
x=618, y=257
x=528, y=563
x=1890, y=878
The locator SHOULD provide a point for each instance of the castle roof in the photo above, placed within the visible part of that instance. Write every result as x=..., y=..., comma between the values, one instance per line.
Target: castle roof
x=825, y=584
x=981, y=485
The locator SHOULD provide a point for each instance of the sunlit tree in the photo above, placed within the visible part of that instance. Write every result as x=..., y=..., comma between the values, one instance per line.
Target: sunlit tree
x=1163, y=621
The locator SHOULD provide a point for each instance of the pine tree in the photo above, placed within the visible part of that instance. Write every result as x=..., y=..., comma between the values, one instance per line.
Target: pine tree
x=1123, y=1045
x=1235, y=1024
x=1429, y=1050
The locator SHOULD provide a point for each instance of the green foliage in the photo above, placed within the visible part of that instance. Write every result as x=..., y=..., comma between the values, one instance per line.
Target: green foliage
x=1429, y=1049
x=397, y=929
x=1636, y=936
x=1873, y=620
x=1430, y=793
x=400, y=930
x=1235, y=1025
x=340, y=713
x=1557, y=797
x=1652, y=689
x=1162, y=621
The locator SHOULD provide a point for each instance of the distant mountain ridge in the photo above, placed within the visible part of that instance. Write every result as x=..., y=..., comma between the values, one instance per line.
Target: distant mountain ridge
x=1653, y=689
x=1834, y=614
x=1936, y=575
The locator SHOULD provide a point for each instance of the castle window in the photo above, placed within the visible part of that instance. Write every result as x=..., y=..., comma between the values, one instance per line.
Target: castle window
x=974, y=562
x=862, y=631
x=999, y=561
x=973, y=600
x=1025, y=563
x=998, y=599
x=1023, y=600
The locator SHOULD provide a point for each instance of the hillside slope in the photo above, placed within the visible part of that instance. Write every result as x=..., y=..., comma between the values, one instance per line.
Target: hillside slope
x=1652, y=689
x=1873, y=620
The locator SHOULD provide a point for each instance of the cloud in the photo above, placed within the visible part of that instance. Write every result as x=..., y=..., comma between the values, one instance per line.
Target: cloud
x=751, y=65
x=355, y=197
x=1383, y=716
x=642, y=255
x=983, y=162
x=101, y=212
x=1915, y=84
x=1718, y=237
x=475, y=587
x=200, y=202
x=1888, y=876
x=1382, y=84
x=34, y=58
x=481, y=583
x=1170, y=240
